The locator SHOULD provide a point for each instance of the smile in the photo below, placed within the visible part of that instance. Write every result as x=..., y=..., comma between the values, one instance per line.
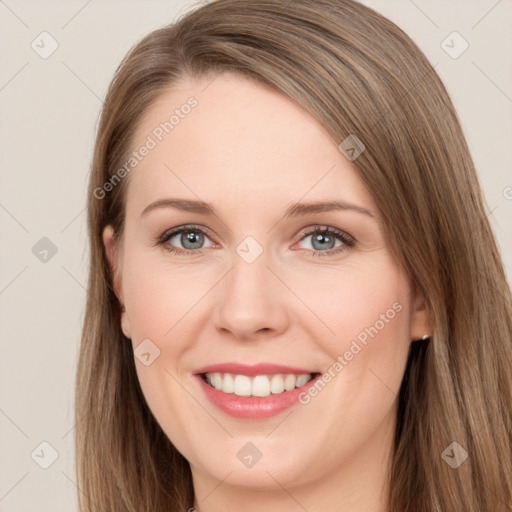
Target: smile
x=257, y=386
x=254, y=391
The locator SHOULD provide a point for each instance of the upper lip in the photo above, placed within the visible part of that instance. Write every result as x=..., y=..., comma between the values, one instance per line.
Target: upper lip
x=251, y=370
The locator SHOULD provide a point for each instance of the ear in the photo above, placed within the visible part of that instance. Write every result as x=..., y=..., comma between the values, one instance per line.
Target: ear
x=114, y=259
x=420, y=319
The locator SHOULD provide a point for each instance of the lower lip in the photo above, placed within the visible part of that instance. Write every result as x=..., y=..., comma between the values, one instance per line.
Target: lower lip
x=250, y=407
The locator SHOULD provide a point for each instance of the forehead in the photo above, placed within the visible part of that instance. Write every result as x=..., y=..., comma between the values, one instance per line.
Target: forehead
x=234, y=142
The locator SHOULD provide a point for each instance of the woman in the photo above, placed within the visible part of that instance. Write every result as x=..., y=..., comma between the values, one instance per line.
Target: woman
x=224, y=364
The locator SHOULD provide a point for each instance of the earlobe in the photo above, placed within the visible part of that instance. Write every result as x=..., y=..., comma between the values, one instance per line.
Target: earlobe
x=125, y=324
x=421, y=327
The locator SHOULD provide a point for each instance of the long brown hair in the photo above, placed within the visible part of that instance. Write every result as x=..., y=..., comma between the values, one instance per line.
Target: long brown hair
x=358, y=74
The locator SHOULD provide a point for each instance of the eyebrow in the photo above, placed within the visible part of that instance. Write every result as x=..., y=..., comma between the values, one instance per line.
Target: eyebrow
x=295, y=210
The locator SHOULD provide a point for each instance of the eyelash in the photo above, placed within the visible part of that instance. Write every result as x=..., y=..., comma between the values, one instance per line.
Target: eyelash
x=348, y=241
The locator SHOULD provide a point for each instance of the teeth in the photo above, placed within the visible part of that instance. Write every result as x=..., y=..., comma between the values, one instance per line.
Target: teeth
x=242, y=385
x=260, y=385
x=302, y=379
x=217, y=381
x=277, y=384
x=228, y=384
x=289, y=382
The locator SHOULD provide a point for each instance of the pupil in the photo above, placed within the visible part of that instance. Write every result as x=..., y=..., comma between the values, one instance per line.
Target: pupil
x=322, y=239
x=193, y=238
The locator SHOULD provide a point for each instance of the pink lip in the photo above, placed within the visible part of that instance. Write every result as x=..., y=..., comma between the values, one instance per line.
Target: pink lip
x=251, y=370
x=253, y=408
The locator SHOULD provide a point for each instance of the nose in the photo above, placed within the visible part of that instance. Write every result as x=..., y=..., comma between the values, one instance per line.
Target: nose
x=252, y=301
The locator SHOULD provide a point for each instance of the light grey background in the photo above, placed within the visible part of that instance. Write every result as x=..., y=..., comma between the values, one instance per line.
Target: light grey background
x=49, y=109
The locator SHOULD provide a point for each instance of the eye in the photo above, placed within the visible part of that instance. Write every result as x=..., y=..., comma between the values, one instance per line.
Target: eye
x=323, y=241
x=190, y=237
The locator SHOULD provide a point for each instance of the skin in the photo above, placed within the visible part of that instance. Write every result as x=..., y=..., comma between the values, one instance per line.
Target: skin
x=252, y=153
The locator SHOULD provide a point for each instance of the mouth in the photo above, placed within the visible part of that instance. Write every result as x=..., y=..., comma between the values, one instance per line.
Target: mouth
x=256, y=386
x=254, y=392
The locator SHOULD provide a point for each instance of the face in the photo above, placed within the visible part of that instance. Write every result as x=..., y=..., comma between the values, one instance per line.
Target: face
x=258, y=292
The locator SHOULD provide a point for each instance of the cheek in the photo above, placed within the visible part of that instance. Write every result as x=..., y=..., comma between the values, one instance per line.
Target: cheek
x=358, y=302
x=160, y=303
x=163, y=302
x=364, y=329
x=160, y=298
